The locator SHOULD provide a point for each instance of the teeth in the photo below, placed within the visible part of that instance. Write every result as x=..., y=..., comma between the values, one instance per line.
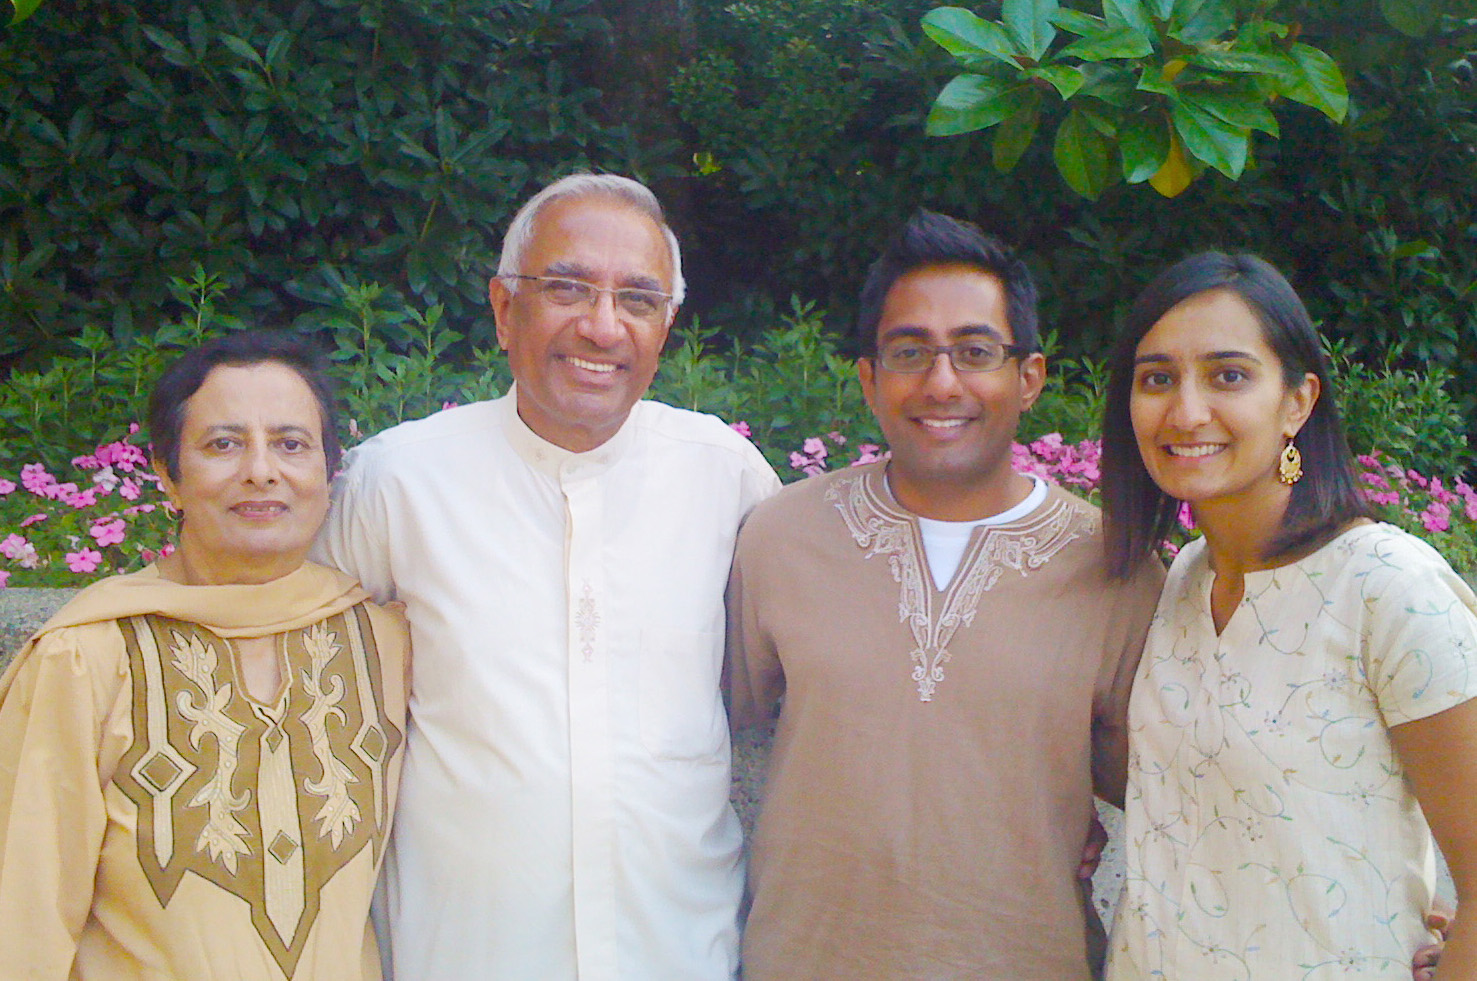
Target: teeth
x=1199, y=449
x=943, y=423
x=589, y=365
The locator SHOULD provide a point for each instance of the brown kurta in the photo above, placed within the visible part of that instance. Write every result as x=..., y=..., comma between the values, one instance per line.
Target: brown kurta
x=156, y=822
x=931, y=784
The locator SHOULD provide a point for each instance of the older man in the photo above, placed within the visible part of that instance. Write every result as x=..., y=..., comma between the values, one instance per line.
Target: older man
x=954, y=659
x=562, y=553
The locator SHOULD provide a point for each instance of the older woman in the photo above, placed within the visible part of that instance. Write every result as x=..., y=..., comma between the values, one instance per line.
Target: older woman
x=1305, y=702
x=198, y=761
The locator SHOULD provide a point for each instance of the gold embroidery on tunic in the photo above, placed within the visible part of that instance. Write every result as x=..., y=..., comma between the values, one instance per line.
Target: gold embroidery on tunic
x=882, y=529
x=267, y=802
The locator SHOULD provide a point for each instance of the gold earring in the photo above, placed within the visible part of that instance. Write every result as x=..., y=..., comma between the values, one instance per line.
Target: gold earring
x=1290, y=464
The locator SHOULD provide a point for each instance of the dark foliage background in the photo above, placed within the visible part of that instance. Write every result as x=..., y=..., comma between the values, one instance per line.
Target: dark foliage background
x=303, y=151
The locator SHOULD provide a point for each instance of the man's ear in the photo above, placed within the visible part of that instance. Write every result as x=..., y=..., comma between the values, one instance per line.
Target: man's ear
x=866, y=373
x=500, y=297
x=1033, y=378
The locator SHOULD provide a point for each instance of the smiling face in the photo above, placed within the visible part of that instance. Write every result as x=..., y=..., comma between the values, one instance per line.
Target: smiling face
x=1210, y=408
x=580, y=369
x=950, y=431
x=253, y=482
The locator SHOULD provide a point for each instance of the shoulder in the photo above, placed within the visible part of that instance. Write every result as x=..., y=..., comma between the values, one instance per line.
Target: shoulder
x=454, y=430
x=807, y=498
x=697, y=434
x=1385, y=562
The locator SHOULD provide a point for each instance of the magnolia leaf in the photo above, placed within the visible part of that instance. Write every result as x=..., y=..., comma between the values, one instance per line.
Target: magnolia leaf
x=1411, y=18
x=1117, y=42
x=1160, y=9
x=1152, y=79
x=1143, y=143
x=1198, y=23
x=1244, y=110
x=967, y=36
x=1209, y=138
x=1315, y=80
x=1065, y=79
x=1083, y=155
x=1129, y=13
x=1246, y=62
x=23, y=9
x=1079, y=23
x=1176, y=174
x=1109, y=83
x=1028, y=23
x=972, y=102
x=1014, y=135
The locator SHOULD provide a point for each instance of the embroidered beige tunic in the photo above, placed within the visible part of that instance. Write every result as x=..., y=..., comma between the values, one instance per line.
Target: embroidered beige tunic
x=156, y=822
x=931, y=784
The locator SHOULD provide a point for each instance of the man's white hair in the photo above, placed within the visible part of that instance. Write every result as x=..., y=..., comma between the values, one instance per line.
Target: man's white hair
x=634, y=193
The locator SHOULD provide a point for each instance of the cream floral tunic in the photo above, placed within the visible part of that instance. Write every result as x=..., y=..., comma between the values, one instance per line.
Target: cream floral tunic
x=1270, y=831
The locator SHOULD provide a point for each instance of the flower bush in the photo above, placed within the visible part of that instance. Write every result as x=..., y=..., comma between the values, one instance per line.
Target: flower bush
x=109, y=516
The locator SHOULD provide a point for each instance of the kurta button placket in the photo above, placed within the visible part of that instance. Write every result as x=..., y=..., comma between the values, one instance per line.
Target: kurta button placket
x=592, y=785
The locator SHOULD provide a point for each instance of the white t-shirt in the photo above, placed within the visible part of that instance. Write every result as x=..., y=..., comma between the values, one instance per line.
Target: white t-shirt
x=944, y=542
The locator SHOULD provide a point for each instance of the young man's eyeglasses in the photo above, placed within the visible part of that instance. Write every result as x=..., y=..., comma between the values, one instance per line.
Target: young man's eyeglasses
x=913, y=358
x=646, y=306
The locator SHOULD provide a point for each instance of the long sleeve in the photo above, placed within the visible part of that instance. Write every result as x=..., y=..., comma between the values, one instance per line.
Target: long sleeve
x=54, y=705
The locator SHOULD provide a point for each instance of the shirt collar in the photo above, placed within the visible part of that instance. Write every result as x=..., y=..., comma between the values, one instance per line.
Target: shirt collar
x=556, y=461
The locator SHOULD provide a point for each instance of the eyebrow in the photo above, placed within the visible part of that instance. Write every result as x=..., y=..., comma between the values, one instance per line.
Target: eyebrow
x=962, y=331
x=574, y=270
x=1212, y=356
x=236, y=429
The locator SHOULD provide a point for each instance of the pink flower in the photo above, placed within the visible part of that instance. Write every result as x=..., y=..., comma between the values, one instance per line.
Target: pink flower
x=799, y=461
x=84, y=560
x=742, y=428
x=1436, y=517
x=4, y=579
x=836, y=437
x=122, y=455
x=86, y=462
x=815, y=447
x=84, y=499
x=129, y=489
x=451, y=404
x=33, y=519
x=108, y=531
x=867, y=453
x=35, y=479
x=1186, y=517
x=7, y=487
x=12, y=545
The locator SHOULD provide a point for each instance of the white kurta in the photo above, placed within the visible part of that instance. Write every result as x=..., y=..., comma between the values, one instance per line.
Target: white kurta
x=1270, y=832
x=564, y=805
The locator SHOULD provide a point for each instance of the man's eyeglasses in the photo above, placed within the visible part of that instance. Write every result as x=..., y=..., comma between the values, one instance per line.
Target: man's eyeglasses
x=913, y=358
x=646, y=306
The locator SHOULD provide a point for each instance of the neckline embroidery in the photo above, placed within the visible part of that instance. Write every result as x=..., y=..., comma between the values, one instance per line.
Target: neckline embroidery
x=933, y=617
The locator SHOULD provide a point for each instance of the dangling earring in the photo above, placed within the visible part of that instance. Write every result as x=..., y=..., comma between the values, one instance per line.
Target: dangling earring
x=1290, y=464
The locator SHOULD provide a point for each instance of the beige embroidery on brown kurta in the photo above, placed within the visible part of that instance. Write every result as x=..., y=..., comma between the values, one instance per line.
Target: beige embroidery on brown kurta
x=876, y=525
x=318, y=756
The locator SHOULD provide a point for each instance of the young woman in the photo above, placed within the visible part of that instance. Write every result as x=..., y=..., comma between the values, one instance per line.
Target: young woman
x=1304, y=706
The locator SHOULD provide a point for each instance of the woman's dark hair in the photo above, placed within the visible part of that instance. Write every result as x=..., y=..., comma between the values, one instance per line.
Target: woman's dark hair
x=932, y=239
x=249, y=347
x=1137, y=514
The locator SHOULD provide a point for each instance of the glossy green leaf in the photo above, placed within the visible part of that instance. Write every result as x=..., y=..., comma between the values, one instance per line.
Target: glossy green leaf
x=1083, y=156
x=1117, y=42
x=1245, y=62
x=1028, y=24
x=973, y=102
x=1244, y=110
x=1411, y=17
x=1143, y=144
x=1129, y=13
x=1209, y=138
x=23, y=9
x=1075, y=21
x=1315, y=80
x=1160, y=9
x=967, y=36
x=1065, y=79
x=1199, y=22
x=1014, y=135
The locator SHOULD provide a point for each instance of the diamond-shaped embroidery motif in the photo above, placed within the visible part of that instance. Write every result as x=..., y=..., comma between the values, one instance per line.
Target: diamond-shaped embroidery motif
x=373, y=743
x=282, y=847
x=159, y=772
x=273, y=739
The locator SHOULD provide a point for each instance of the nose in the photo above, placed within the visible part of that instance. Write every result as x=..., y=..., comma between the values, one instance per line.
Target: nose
x=601, y=324
x=1188, y=407
x=941, y=381
x=259, y=466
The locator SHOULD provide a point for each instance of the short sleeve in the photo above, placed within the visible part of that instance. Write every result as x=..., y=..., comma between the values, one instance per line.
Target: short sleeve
x=1420, y=631
x=355, y=537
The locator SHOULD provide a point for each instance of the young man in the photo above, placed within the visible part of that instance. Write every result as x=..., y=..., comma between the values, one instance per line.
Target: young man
x=953, y=658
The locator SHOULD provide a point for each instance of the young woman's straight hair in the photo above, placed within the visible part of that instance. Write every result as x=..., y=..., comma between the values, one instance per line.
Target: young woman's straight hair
x=1137, y=514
